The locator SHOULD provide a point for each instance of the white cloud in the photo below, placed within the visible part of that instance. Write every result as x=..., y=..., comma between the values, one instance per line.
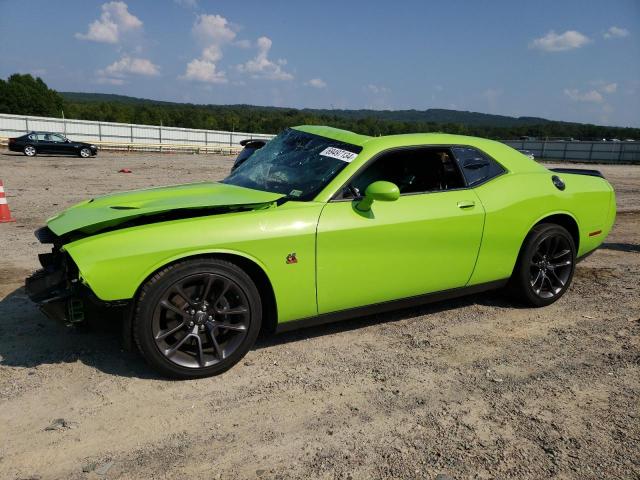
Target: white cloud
x=609, y=88
x=212, y=53
x=552, y=42
x=262, y=67
x=376, y=89
x=204, y=71
x=130, y=65
x=114, y=20
x=316, y=83
x=213, y=29
x=616, y=32
x=591, y=96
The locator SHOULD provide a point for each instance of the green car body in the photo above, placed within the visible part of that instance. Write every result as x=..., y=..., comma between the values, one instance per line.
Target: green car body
x=345, y=257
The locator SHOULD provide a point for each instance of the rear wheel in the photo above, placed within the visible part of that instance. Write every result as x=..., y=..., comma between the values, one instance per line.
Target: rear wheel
x=197, y=318
x=85, y=153
x=30, y=151
x=545, y=266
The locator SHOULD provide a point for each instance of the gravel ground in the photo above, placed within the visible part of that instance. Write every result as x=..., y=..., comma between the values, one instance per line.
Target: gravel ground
x=472, y=388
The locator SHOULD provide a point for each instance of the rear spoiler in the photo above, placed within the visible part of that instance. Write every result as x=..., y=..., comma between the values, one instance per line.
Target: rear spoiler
x=578, y=171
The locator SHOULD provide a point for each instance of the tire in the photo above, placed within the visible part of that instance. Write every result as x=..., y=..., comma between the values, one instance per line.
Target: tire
x=180, y=325
x=84, y=153
x=29, y=151
x=545, y=266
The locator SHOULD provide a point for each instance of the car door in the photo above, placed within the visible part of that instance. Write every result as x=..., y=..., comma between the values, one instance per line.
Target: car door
x=59, y=144
x=426, y=241
x=44, y=143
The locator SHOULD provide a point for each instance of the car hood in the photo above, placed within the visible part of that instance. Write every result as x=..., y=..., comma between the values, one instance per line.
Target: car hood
x=154, y=204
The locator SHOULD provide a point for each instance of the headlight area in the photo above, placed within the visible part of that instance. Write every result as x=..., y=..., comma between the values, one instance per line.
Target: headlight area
x=56, y=287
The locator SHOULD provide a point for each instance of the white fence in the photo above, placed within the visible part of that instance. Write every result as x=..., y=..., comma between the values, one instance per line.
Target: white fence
x=150, y=137
x=123, y=133
x=583, y=151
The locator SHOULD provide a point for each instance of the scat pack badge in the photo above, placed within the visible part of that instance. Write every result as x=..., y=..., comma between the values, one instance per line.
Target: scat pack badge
x=292, y=258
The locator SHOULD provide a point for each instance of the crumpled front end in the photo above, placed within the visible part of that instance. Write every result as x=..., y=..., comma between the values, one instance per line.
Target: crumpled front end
x=56, y=287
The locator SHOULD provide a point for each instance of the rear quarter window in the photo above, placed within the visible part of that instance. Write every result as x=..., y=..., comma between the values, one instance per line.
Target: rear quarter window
x=476, y=166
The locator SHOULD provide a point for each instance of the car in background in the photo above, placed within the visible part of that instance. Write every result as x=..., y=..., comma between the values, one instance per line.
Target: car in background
x=250, y=146
x=528, y=154
x=34, y=143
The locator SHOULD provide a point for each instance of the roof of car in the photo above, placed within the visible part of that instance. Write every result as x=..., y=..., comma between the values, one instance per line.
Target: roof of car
x=509, y=157
x=335, y=133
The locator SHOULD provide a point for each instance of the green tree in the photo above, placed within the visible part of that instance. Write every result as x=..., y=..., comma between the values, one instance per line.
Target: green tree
x=25, y=95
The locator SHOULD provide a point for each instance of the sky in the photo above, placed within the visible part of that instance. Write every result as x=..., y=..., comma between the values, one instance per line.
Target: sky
x=563, y=60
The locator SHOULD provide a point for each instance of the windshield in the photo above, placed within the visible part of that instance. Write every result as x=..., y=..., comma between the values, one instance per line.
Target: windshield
x=295, y=164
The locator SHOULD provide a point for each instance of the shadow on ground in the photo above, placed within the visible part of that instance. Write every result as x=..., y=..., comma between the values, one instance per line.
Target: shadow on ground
x=621, y=247
x=29, y=339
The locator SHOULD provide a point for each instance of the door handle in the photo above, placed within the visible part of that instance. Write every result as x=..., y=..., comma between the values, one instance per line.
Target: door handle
x=466, y=204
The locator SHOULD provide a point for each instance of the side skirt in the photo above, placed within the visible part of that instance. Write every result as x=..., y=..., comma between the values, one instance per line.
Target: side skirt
x=389, y=306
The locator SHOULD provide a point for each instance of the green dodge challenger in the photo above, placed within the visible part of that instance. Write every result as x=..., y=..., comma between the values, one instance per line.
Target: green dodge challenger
x=318, y=225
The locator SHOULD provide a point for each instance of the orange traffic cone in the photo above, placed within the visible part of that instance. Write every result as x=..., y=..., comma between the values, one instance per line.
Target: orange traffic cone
x=5, y=213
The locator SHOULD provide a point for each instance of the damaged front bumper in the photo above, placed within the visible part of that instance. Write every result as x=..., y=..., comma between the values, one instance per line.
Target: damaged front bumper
x=56, y=288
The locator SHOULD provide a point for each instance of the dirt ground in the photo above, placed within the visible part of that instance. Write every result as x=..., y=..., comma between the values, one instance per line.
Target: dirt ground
x=472, y=388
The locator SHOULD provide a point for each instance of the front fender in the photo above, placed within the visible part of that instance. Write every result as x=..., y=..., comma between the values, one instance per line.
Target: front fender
x=116, y=263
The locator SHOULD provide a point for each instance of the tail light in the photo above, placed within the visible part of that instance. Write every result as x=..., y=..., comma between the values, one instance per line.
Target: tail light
x=12, y=140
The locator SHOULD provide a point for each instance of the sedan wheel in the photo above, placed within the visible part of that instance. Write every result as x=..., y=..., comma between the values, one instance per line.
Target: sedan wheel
x=545, y=266
x=30, y=151
x=197, y=318
x=85, y=153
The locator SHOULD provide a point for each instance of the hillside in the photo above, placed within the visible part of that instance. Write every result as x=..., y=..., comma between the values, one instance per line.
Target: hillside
x=432, y=115
x=26, y=95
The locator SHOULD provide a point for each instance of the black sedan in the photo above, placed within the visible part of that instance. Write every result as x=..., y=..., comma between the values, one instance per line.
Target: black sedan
x=47, y=142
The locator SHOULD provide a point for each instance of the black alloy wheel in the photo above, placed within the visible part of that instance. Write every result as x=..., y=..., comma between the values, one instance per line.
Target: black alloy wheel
x=551, y=266
x=545, y=266
x=197, y=318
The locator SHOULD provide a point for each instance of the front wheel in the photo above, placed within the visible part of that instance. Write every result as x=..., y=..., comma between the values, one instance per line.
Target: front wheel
x=30, y=151
x=545, y=266
x=197, y=318
x=85, y=152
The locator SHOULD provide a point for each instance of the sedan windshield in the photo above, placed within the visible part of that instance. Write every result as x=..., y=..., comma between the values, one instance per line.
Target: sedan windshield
x=295, y=164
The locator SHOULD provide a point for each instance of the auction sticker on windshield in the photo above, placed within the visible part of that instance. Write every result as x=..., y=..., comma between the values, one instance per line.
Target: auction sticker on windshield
x=344, y=155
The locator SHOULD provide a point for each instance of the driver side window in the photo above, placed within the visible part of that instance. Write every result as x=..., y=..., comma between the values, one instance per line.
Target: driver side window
x=417, y=170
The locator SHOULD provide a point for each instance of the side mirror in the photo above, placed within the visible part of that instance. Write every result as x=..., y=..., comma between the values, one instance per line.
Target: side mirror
x=381, y=191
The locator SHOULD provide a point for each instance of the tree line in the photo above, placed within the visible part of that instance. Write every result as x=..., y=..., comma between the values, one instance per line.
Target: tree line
x=26, y=95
